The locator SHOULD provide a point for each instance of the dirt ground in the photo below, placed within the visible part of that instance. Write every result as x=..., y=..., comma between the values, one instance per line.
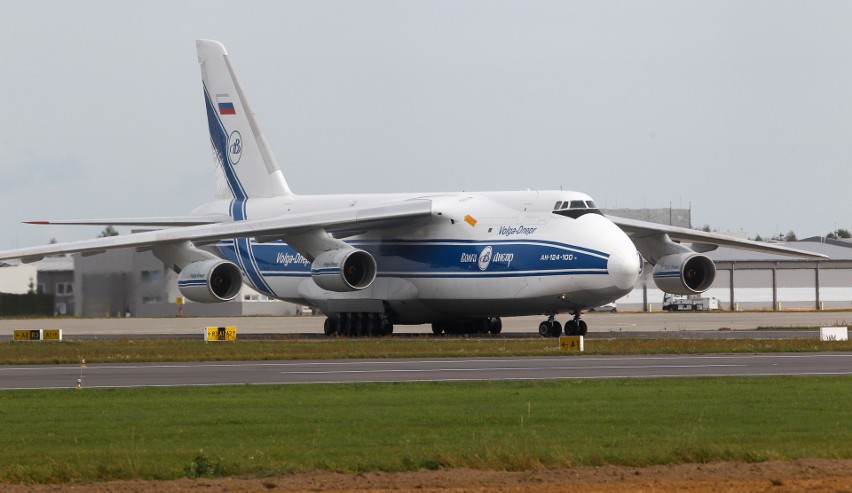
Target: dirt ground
x=811, y=475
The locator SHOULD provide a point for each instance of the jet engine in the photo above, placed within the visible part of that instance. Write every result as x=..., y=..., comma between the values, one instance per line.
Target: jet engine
x=210, y=281
x=344, y=270
x=684, y=273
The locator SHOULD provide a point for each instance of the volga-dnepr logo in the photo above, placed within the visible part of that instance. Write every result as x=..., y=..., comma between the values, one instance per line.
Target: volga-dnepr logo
x=485, y=258
x=488, y=257
x=235, y=147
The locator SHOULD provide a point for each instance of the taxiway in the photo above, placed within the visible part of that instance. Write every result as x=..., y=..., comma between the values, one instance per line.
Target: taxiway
x=414, y=370
x=658, y=324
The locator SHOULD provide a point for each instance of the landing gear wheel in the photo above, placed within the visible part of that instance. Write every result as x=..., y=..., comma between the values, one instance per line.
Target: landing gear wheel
x=437, y=329
x=576, y=327
x=556, y=329
x=549, y=328
x=380, y=326
x=344, y=325
x=572, y=328
x=371, y=326
x=496, y=326
x=354, y=325
x=330, y=326
x=361, y=327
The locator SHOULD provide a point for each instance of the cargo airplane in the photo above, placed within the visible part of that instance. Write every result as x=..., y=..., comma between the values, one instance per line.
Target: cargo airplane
x=458, y=261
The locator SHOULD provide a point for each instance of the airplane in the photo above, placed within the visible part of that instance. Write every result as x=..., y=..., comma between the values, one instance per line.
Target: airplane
x=457, y=261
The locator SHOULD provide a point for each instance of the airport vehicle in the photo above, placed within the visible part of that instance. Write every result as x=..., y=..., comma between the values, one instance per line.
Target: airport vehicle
x=458, y=261
x=609, y=307
x=680, y=302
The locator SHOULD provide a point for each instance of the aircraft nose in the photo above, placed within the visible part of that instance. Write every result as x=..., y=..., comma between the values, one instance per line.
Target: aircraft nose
x=624, y=267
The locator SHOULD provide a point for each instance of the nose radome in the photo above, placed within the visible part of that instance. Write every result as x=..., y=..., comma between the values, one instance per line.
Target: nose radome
x=624, y=267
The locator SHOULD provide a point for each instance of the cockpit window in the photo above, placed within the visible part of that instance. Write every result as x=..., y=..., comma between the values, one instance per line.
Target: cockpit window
x=576, y=209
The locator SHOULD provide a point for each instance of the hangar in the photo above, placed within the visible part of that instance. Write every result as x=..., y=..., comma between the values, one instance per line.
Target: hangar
x=755, y=281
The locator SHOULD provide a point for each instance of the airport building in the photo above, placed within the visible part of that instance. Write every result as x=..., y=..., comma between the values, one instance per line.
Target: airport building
x=124, y=282
x=52, y=275
x=56, y=277
x=17, y=277
x=673, y=217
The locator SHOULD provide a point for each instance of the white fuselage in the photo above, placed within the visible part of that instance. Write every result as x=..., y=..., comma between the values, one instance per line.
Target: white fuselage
x=478, y=255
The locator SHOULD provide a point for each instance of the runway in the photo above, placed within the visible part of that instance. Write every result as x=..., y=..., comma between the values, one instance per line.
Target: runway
x=419, y=370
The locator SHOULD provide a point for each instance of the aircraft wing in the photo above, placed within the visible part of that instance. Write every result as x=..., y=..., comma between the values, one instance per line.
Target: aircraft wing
x=140, y=221
x=642, y=229
x=266, y=228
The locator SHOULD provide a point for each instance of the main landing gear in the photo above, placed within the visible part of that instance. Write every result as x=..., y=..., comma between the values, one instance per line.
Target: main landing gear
x=358, y=325
x=552, y=328
x=478, y=326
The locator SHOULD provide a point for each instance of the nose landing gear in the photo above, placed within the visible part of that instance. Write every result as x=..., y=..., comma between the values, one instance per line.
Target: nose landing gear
x=552, y=328
x=576, y=327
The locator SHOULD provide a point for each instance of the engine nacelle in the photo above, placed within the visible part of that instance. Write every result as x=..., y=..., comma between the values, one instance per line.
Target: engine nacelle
x=210, y=281
x=684, y=273
x=344, y=270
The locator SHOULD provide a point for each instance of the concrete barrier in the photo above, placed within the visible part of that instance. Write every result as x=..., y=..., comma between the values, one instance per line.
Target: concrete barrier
x=833, y=334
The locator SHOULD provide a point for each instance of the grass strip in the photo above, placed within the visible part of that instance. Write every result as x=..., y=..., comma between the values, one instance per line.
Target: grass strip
x=165, y=433
x=164, y=350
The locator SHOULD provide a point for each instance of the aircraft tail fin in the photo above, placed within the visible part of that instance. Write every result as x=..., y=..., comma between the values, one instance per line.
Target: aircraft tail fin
x=246, y=166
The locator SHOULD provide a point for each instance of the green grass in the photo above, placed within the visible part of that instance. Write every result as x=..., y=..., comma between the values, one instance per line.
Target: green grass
x=159, y=350
x=162, y=433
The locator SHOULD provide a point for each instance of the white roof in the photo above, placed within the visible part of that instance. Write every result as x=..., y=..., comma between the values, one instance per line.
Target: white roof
x=55, y=264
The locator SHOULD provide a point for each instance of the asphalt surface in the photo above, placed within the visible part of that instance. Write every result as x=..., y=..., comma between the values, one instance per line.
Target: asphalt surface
x=415, y=370
x=657, y=324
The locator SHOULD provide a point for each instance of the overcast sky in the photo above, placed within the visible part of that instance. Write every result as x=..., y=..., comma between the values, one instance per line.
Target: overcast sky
x=742, y=109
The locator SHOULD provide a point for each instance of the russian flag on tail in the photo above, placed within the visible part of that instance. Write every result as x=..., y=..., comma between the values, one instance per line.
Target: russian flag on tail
x=226, y=106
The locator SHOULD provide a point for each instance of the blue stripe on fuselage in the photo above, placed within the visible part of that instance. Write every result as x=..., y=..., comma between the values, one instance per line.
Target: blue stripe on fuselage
x=434, y=259
x=483, y=242
x=244, y=254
